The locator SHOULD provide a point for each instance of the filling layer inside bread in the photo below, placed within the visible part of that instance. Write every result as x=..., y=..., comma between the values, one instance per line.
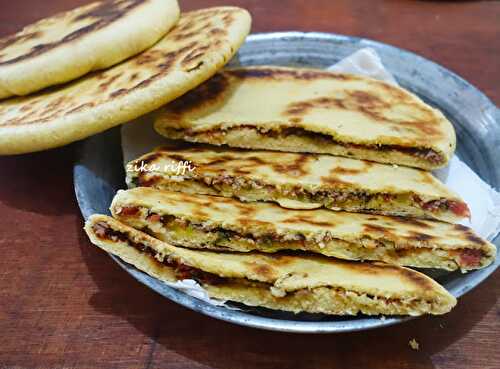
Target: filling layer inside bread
x=339, y=198
x=182, y=271
x=199, y=234
x=426, y=154
x=327, y=299
x=421, y=153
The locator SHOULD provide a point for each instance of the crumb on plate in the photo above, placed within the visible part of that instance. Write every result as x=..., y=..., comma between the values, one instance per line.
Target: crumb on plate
x=414, y=344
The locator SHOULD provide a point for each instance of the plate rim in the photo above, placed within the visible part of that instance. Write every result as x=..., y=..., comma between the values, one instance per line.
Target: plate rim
x=368, y=41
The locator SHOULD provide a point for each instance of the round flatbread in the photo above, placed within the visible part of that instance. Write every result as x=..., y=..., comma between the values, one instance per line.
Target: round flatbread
x=201, y=43
x=71, y=44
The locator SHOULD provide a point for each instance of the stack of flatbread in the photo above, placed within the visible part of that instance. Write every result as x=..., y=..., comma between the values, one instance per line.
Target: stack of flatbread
x=81, y=72
x=302, y=190
x=292, y=189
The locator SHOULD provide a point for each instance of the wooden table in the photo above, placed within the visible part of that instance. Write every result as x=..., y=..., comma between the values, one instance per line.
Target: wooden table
x=65, y=304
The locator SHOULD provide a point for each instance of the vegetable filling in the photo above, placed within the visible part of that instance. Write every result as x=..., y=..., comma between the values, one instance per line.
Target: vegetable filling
x=223, y=238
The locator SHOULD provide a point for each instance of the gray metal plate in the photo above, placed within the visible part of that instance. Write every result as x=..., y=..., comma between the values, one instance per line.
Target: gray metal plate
x=99, y=172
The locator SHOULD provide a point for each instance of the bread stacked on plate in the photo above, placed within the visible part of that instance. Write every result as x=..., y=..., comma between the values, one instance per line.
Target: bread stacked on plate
x=81, y=72
x=302, y=190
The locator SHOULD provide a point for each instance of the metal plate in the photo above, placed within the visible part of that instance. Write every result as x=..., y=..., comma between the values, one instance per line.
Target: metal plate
x=99, y=172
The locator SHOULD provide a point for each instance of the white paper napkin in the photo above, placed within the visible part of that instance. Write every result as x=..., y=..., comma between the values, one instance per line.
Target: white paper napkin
x=192, y=288
x=139, y=137
x=365, y=62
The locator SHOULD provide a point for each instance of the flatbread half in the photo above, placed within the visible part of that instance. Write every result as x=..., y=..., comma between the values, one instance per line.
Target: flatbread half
x=200, y=44
x=220, y=223
x=306, y=283
x=315, y=111
x=298, y=181
x=71, y=44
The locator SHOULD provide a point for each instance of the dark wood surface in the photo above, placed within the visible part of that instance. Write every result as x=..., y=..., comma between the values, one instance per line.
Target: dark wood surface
x=65, y=304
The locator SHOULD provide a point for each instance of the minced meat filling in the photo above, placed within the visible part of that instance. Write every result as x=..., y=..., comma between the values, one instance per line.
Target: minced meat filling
x=182, y=271
x=463, y=257
x=227, y=234
x=332, y=198
x=102, y=230
x=426, y=154
x=422, y=153
x=327, y=198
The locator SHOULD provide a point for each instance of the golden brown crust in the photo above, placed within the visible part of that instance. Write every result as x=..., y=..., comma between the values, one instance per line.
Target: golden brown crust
x=185, y=57
x=151, y=65
x=310, y=181
x=88, y=19
x=287, y=282
x=69, y=45
x=269, y=228
x=339, y=114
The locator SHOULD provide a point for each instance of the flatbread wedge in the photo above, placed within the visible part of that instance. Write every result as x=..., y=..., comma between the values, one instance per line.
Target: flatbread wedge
x=220, y=223
x=299, y=181
x=200, y=44
x=315, y=111
x=68, y=45
x=305, y=283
